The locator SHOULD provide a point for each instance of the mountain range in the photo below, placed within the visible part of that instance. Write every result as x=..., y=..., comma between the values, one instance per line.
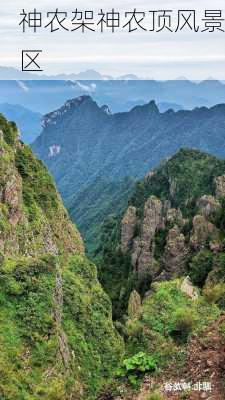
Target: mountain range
x=43, y=96
x=7, y=73
x=82, y=142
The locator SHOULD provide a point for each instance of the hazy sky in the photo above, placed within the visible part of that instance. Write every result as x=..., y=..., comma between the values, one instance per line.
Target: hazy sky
x=163, y=55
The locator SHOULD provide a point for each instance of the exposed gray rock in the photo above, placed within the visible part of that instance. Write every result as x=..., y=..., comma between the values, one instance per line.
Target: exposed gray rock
x=153, y=219
x=175, y=252
x=203, y=232
x=143, y=247
x=188, y=288
x=129, y=223
x=12, y=196
x=208, y=205
x=174, y=216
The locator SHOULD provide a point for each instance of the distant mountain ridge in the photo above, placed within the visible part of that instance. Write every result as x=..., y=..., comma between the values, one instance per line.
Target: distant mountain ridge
x=89, y=74
x=82, y=142
x=28, y=122
x=43, y=96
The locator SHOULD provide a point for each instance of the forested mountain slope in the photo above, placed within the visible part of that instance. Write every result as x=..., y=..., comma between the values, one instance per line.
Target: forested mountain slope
x=56, y=334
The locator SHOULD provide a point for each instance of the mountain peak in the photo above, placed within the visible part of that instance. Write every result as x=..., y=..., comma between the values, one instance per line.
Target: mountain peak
x=77, y=101
x=150, y=108
x=54, y=117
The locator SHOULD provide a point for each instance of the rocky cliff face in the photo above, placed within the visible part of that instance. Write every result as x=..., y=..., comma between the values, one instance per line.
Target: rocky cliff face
x=159, y=217
x=33, y=219
x=129, y=224
x=174, y=225
x=143, y=247
x=59, y=319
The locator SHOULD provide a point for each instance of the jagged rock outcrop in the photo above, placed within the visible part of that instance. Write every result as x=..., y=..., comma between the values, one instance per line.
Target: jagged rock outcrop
x=167, y=240
x=128, y=225
x=175, y=252
x=204, y=232
x=174, y=216
x=143, y=248
x=208, y=205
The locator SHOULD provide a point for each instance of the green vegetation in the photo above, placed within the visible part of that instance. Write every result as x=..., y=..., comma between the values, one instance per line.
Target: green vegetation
x=95, y=203
x=38, y=186
x=205, y=265
x=117, y=279
x=200, y=266
x=162, y=330
x=135, y=367
x=31, y=365
x=87, y=323
x=9, y=131
x=216, y=294
x=32, y=201
x=57, y=338
x=173, y=180
x=167, y=319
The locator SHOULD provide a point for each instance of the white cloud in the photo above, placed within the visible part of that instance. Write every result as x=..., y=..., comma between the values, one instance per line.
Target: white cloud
x=87, y=88
x=23, y=86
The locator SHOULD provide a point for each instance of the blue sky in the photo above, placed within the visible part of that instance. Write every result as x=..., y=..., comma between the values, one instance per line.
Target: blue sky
x=162, y=56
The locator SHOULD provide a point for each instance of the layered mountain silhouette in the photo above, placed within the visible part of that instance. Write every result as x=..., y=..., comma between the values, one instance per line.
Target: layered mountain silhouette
x=82, y=142
x=121, y=95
